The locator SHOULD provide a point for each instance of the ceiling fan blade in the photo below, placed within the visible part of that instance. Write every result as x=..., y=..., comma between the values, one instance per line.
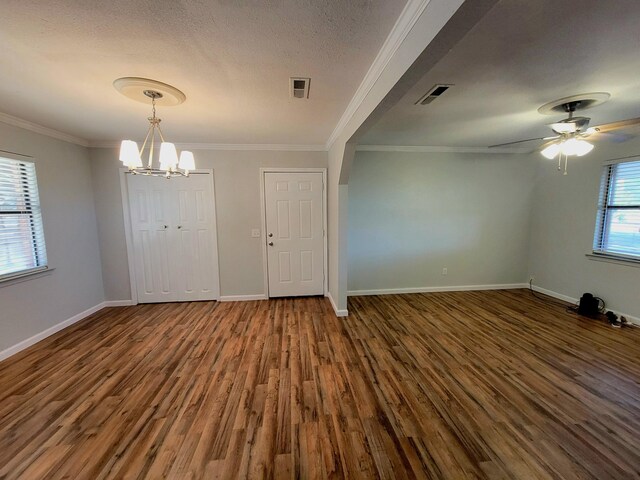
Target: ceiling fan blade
x=609, y=127
x=516, y=142
x=615, y=137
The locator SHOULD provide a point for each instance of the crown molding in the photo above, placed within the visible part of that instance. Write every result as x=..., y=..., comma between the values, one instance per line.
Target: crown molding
x=34, y=127
x=229, y=146
x=50, y=132
x=438, y=149
x=407, y=19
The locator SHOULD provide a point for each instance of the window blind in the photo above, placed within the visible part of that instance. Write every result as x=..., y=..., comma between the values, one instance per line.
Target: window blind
x=618, y=223
x=22, y=246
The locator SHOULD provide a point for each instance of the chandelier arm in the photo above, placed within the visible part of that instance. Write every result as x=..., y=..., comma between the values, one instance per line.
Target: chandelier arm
x=144, y=144
x=160, y=132
x=153, y=138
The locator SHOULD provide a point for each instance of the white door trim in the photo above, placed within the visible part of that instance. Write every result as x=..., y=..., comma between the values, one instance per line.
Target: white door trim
x=263, y=216
x=126, y=212
x=129, y=236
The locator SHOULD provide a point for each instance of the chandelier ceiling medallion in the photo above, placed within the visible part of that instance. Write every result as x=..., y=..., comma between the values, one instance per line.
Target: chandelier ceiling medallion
x=169, y=164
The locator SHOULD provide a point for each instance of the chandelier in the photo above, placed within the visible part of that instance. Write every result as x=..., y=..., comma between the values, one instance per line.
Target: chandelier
x=143, y=161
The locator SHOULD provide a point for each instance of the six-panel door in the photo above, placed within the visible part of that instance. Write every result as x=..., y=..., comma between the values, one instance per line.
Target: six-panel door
x=295, y=235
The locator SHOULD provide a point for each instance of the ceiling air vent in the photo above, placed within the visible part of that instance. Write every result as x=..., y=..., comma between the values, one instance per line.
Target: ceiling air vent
x=432, y=94
x=299, y=87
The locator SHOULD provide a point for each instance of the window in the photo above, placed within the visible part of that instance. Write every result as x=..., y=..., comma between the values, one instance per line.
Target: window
x=618, y=223
x=22, y=248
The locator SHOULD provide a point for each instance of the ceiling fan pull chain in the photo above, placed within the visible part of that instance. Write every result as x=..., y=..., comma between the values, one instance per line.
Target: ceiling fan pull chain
x=566, y=163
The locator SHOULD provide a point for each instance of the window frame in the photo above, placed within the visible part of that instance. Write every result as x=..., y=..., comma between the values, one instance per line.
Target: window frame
x=32, y=211
x=604, y=215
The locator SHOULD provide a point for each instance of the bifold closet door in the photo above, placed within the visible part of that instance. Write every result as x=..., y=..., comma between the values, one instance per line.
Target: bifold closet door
x=196, y=262
x=152, y=206
x=174, y=245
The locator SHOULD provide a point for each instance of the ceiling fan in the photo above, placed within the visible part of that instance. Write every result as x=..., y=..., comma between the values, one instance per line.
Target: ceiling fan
x=571, y=133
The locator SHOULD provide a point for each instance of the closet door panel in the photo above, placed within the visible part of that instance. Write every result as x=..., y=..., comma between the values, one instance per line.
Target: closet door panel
x=151, y=208
x=196, y=256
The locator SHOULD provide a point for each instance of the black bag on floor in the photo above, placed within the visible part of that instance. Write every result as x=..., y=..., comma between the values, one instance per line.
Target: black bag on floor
x=589, y=305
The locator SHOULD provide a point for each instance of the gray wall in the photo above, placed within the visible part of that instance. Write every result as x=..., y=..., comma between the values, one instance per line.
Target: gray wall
x=237, y=189
x=411, y=214
x=563, y=223
x=64, y=182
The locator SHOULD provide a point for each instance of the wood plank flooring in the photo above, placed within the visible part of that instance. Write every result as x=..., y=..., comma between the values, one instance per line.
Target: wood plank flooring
x=493, y=384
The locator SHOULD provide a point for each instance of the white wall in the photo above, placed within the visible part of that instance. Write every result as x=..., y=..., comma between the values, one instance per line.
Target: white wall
x=237, y=186
x=562, y=228
x=411, y=214
x=64, y=183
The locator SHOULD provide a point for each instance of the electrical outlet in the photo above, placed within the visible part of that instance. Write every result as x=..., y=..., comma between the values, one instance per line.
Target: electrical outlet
x=255, y=232
x=444, y=271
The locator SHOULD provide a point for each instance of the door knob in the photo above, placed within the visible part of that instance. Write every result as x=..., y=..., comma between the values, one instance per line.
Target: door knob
x=271, y=244
x=179, y=227
x=271, y=234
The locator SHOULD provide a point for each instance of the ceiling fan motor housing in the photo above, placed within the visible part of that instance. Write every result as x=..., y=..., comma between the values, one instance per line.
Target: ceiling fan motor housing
x=579, y=124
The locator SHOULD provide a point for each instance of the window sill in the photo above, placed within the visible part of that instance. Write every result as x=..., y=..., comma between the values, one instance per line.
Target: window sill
x=601, y=257
x=23, y=277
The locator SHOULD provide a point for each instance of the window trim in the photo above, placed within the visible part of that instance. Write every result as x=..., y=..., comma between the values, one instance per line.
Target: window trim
x=603, y=214
x=15, y=277
x=18, y=277
x=617, y=259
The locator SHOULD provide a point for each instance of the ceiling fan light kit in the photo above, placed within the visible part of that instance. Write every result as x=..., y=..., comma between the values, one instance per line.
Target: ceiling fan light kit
x=566, y=148
x=170, y=164
x=570, y=147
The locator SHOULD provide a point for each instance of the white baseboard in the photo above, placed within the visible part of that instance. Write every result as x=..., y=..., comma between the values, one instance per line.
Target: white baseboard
x=566, y=298
x=18, y=347
x=242, y=298
x=119, y=303
x=553, y=294
x=338, y=312
x=457, y=288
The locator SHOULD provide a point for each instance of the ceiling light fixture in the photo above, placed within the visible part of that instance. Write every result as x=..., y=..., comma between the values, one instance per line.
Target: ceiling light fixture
x=570, y=131
x=170, y=165
x=568, y=146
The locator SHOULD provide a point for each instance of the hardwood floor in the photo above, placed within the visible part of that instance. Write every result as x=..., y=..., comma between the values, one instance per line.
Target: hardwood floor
x=493, y=384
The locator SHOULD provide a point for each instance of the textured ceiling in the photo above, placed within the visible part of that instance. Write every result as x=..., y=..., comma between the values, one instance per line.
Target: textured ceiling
x=232, y=58
x=521, y=55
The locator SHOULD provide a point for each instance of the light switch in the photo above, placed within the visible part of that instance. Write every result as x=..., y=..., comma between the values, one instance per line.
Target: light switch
x=255, y=232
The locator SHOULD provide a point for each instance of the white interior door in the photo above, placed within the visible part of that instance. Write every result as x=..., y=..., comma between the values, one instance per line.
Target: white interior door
x=295, y=234
x=152, y=212
x=174, y=238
